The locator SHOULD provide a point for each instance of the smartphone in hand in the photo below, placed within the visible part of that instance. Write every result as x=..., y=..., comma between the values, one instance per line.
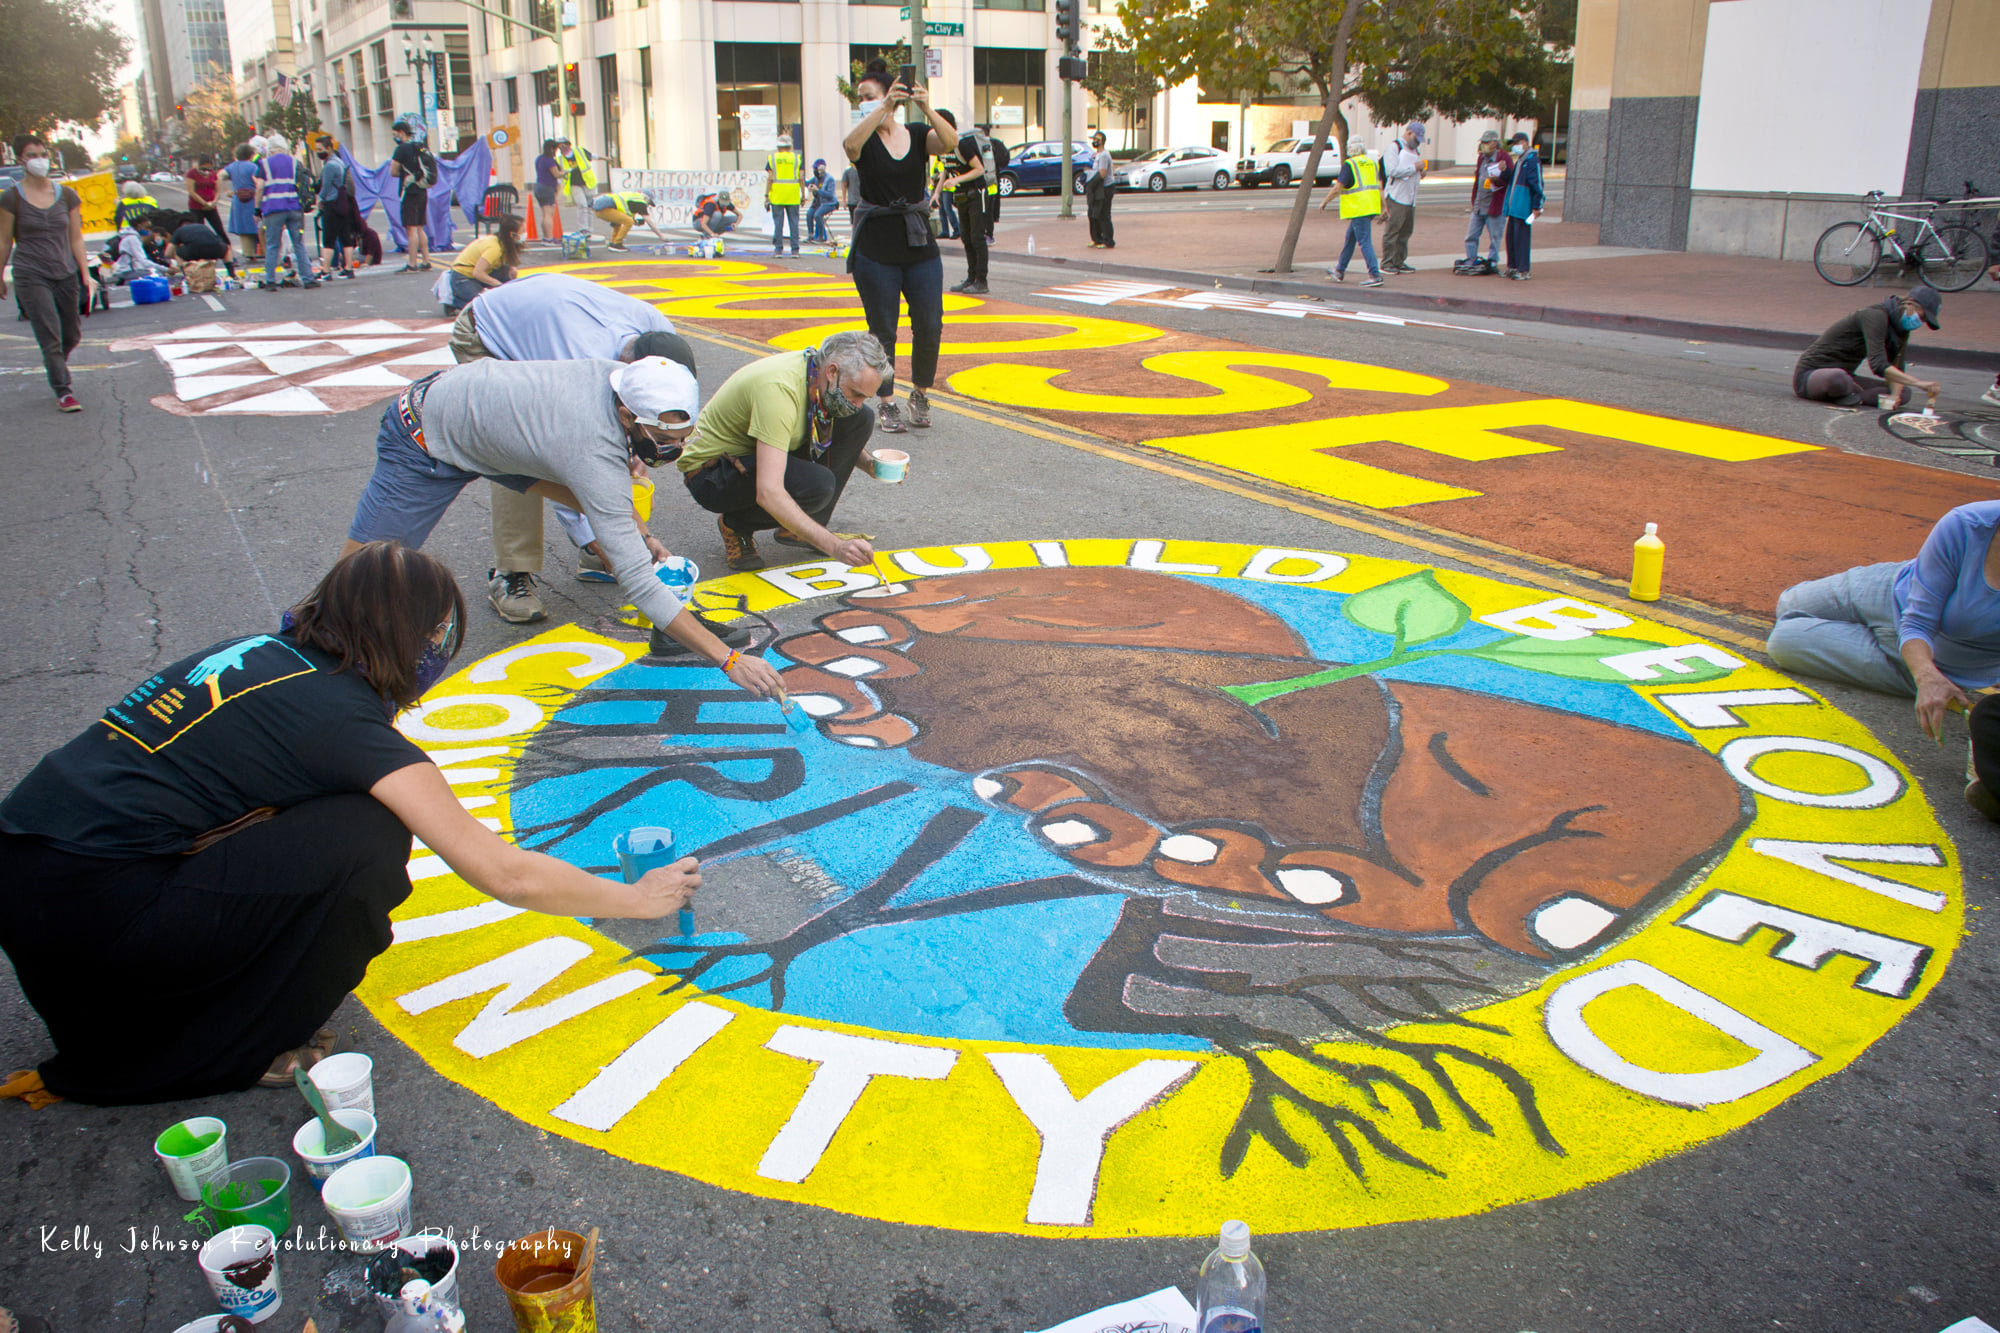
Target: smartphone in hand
x=907, y=76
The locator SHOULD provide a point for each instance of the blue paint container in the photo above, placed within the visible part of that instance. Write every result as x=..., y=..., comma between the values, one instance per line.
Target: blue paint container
x=643, y=849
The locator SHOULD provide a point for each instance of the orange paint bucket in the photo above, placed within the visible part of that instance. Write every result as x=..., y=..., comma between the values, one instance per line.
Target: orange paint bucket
x=547, y=1280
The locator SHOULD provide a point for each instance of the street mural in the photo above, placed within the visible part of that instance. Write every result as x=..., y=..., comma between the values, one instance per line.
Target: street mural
x=293, y=368
x=1121, y=887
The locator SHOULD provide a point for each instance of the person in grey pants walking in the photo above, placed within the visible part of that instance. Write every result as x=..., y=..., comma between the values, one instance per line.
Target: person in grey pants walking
x=41, y=228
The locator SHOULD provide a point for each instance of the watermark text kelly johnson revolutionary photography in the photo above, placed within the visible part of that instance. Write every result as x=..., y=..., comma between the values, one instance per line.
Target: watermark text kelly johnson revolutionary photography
x=84, y=1239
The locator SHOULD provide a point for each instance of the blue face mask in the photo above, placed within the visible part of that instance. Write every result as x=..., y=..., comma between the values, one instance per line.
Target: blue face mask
x=1910, y=322
x=437, y=658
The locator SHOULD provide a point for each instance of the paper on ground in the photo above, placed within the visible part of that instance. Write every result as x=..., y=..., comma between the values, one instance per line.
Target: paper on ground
x=1164, y=1311
x=1971, y=1324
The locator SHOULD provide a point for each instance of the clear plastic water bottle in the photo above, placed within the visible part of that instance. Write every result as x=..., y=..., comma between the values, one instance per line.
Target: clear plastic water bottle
x=1229, y=1294
x=1031, y=243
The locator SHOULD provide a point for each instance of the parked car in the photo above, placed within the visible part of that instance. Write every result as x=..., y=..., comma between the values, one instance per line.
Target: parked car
x=1174, y=169
x=1038, y=166
x=11, y=176
x=1284, y=162
x=163, y=177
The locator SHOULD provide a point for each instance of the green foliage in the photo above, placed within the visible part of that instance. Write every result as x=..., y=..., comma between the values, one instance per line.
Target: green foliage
x=58, y=65
x=1460, y=58
x=895, y=57
x=76, y=158
x=296, y=120
x=1117, y=79
x=212, y=125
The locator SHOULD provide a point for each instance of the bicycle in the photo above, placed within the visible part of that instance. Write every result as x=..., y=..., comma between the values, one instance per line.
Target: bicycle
x=1950, y=258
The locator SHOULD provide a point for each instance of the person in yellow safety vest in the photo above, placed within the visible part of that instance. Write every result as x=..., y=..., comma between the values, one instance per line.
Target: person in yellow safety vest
x=621, y=208
x=133, y=205
x=574, y=165
x=1360, y=196
x=782, y=191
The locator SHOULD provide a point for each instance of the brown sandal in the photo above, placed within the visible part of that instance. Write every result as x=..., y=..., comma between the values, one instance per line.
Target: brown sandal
x=281, y=1073
x=27, y=1085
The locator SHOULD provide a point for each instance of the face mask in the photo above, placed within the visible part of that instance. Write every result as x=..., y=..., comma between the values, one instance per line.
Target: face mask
x=649, y=449
x=37, y=166
x=432, y=666
x=838, y=403
x=871, y=106
x=1910, y=322
x=1518, y=149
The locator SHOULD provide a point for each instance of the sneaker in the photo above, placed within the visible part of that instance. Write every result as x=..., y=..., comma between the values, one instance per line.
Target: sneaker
x=889, y=417
x=314, y=283
x=920, y=409
x=590, y=569
x=513, y=596
x=972, y=289
x=1982, y=800
x=1374, y=280
x=613, y=246
x=66, y=402
x=739, y=549
x=1405, y=268
x=1517, y=275
x=1991, y=396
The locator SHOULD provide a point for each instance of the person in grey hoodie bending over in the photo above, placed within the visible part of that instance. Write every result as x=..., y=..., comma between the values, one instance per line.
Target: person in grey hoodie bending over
x=568, y=431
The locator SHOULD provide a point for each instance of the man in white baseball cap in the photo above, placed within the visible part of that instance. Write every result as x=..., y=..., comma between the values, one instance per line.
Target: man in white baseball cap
x=575, y=432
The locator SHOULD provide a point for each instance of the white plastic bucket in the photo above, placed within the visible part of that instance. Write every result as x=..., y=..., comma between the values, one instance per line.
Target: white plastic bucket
x=891, y=465
x=203, y=1166
x=369, y=1200
x=346, y=1081
x=310, y=1144
x=445, y=1290
x=208, y=1323
x=241, y=1265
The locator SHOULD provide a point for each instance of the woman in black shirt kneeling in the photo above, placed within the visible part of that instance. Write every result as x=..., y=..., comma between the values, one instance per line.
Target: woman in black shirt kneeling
x=894, y=257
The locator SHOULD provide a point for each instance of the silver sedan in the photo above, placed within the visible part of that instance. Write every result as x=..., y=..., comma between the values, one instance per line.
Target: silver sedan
x=1175, y=169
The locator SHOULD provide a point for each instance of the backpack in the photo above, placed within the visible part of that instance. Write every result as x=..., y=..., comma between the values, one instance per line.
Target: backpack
x=428, y=166
x=1001, y=157
x=307, y=187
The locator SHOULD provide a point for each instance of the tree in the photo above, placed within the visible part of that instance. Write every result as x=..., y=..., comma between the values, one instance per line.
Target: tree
x=297, y=119
x=895, y=57
x=75, y=157
x=1116, y=78
x=212, y=125
x=1404, y=58
x=58, y=65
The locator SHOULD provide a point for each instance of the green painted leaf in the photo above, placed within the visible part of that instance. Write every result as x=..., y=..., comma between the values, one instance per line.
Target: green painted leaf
x=1582, y=659
x=1413, y=607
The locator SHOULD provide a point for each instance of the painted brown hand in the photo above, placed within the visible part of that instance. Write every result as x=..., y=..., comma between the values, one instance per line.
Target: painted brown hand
x=1168, y=733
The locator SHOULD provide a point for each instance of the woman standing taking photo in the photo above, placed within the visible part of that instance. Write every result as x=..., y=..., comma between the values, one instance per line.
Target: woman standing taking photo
x=41, y=228
x=194, y=884
x=201, y=183
x=894, y=257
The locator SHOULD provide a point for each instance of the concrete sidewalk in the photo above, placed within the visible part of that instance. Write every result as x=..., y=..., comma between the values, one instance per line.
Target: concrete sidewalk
x=1576, y=281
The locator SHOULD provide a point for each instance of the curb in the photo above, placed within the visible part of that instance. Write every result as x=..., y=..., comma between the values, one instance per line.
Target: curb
x=1961, y=358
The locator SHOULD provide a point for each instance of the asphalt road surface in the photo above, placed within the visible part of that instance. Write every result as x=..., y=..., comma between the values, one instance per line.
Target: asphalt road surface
x=1868, y=1200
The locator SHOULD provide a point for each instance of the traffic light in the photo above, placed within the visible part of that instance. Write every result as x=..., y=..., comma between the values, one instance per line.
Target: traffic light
x=1069, y=25
x=572, y=89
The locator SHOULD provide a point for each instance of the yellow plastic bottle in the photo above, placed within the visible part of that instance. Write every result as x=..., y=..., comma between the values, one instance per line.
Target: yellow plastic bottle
x=1649, y=558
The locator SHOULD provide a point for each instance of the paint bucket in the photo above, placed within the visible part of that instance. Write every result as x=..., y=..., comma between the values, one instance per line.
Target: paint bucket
x=208, y=1323
x=241, y=1265
x=679, y=573
x=310, y=1144
x=643, y=849
x=253, y=1192
x=369, y=1200
x=642, y=498
x=1887, y=402
x=891, y=465
x=444, y=1291
x=547, y=1280
x=346, y=1080
x=194, y=1152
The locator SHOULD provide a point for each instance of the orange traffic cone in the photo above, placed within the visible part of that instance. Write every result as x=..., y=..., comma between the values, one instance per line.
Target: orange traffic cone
x=531, y=220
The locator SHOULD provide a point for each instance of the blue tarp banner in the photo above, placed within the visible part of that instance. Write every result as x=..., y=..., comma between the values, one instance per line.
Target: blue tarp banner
x=463, y=180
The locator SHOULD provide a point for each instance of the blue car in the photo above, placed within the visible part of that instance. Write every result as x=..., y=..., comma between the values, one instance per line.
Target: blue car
x=1038, y=166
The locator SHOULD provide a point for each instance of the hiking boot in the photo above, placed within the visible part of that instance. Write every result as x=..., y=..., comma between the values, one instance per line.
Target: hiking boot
x=590, y=569
x=513, y=596
x=920, y=409
x=739, y=549
x=889, y=417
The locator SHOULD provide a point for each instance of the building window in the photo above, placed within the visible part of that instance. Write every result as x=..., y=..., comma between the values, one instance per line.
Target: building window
x=506, y=29
x=513, y=97
x=604, y=9
x=1007, y=92
x=753, y=74
x=359, y=82
x=607, y=84
x=378, y=59
x=646, y=98
x=1009, y=4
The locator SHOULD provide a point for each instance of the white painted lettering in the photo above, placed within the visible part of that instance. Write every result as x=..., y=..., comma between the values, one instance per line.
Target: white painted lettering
x=454, y=922
x=1777, y=1058
x=1074, y=1131
x=1557, y=618
x=522, y=715
x=1712, y=708
x=1808, y=941
x=1883, y=786
x=643, y=1066
x=598, y=658
x=1651, y=663
x=1146, y=555
x=1263, y=566
x=846, y=1065
x=1818, y=858
x=516, y=976
x=823, y=579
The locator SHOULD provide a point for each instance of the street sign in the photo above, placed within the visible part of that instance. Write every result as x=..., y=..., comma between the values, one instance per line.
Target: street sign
x=936, y=29
x=933, y=62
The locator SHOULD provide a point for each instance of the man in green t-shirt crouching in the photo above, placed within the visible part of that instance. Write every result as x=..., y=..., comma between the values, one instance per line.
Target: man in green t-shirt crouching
x=774, y=447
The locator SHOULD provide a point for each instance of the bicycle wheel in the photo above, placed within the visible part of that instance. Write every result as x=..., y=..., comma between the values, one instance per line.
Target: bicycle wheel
x=1952, y=258
x=1847, y=254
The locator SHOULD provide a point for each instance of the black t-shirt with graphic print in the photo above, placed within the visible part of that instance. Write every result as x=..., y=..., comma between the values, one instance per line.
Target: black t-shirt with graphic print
x=253, y=721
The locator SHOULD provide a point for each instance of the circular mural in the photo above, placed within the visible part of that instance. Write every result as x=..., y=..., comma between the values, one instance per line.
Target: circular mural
x=1122, y=887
